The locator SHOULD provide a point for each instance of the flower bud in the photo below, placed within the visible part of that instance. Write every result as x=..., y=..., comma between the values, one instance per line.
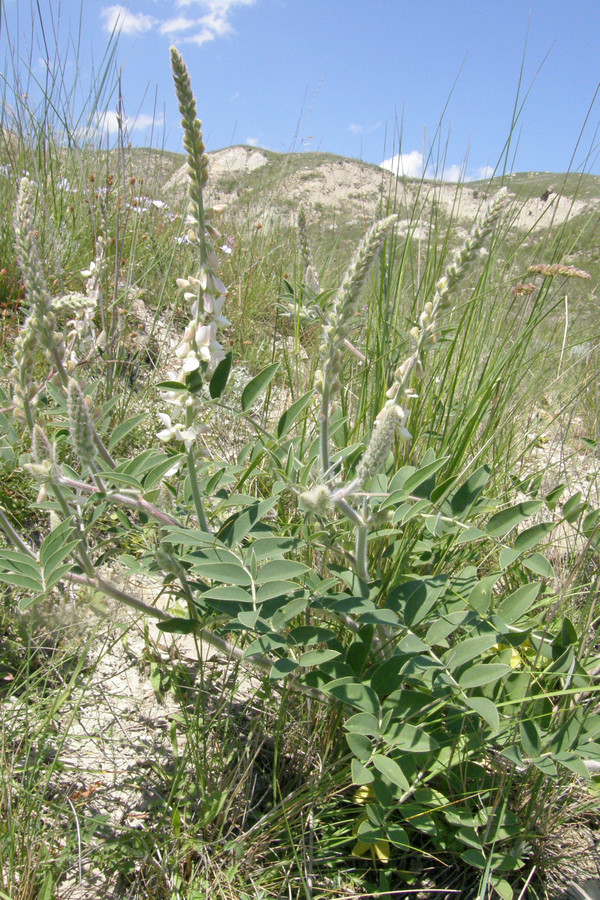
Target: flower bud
x=317, y=500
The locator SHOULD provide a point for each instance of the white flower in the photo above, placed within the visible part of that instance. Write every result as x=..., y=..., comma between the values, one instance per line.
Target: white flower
x=87, y=273
x=176, y=432
x=191, y=362
x=214, y=305
x=215, y=285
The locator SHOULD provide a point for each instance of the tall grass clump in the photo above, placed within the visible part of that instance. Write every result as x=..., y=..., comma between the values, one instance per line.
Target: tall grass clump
x=373, y=560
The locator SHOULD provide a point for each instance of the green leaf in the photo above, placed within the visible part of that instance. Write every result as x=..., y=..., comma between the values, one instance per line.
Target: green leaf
x=421, y=475
x=573, y=762
x=125, y=428
x=272, y=589
x=271, y=547
x=445, y=626
x=530, y=738
x=486, y=709
x=360, y=745
x=480, y=597
x=516, y=605
x=360, y=774
x=590, y=523
x=502, y=522
x=546, y=766
x=532, y=536
x=316, y=657
x=412, y=644
x=508, y=556
x=55, y=542
x=171, y=386
x=112, y=476
x=482, y=673
x=539, y=565
x=241, y=524
x=266, y=643
x=553, y=496
x=282, y=668
x=397, y=482
x=503, y=889
x=414, y=599
x=391, y=771
x=15, y=560
x=311, y=634
x=468, y=650
x=58, y=572
x=53, y=562
x=178, y=626
x=158, y=471
x=467, y=494
x=363, y=723
x=471, y=534
x=474, y=858
x=379, y=617
x=354, y=693
x=397, y=836
x=387, y=677
x=407, y=737
x=22, y=581
x=218, y=382
x=248, y=618
x=223, y=572
x=280, y=570
x=257, y=385
x=573, y=508
x=228, y=594
x=290, y=415
x=417, y=509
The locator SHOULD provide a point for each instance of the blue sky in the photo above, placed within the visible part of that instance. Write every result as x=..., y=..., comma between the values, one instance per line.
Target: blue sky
x=370, y=79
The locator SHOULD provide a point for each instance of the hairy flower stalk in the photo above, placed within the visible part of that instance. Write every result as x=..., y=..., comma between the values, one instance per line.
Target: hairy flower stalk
x=200, y=351
x=427, y=331
x=392, y=419
x=551, y=271
x=192, y=135
x=335, y=331
x=310, y=274
x=81, y=428
x=39, y=328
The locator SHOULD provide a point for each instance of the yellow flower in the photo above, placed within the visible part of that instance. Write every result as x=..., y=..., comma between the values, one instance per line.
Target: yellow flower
x=379, y=851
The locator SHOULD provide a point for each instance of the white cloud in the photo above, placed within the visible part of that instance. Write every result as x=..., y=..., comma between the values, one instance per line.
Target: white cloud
x=409, y=165
x=252, y=142
x=483, y=172
x=451, y=173
x=412, y=165
x=108, y=123
x=215, y=21
x=180, y=23
x=212, y=20
x=119, y=18
x=360, y=129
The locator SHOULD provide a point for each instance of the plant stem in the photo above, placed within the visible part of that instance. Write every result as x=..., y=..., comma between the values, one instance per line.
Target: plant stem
x=197, y=496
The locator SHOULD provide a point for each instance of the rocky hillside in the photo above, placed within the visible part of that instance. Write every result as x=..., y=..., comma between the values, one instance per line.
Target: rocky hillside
x=274, y=185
